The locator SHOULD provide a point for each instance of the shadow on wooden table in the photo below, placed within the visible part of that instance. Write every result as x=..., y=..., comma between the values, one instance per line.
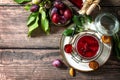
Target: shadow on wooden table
x=53, y=31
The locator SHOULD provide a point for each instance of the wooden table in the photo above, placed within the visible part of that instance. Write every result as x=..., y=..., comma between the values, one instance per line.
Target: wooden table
x=24, y=58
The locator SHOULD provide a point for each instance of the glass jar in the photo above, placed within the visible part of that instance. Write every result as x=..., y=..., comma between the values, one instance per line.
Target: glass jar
x=106, y=24
x=87, y=45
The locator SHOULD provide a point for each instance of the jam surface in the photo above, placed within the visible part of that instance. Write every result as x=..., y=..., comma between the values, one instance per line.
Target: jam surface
x=87, y=46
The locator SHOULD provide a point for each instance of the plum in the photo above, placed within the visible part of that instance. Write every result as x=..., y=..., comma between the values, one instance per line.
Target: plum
x=68, y=14
x=61, y=12
x=63, y=20
x=34, y=8
x=55, y=18
x=57, y=63
x=53, y=11
x=68, y=48
x=58, y=4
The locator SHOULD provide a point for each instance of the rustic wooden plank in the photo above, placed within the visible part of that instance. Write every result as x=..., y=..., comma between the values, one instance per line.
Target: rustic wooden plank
x=103, y=2
x=13, y=29
x=110, y=3
x=31, y=64
x=28, y=56
x=7, y=2
x=113, y=10
x=35, y=63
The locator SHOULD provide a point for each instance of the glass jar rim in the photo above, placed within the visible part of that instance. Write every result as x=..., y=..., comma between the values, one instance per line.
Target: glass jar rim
x=99, y=27
x=99, y=46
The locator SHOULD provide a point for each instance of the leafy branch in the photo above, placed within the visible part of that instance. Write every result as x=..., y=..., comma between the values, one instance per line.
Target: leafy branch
x=38, y=16
x=79, y=21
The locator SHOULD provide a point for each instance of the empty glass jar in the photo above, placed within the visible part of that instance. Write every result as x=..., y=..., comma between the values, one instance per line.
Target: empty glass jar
x=107, y=24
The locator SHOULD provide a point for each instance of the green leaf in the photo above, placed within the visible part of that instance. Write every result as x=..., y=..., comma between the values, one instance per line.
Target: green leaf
x=82, y=19
x=27, y=7
x=89, y=18
x=68, y=32
x=33, y=26
x=32, y=18
x=76, y=20
x=43, y=14
x=45, y=25
x=21, y=1
x=44, y=21
x=81, y=29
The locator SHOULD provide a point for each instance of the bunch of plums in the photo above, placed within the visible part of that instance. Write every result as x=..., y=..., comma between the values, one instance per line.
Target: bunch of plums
x=60, y=13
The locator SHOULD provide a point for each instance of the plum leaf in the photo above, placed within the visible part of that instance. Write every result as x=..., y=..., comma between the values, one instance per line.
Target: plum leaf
x=27, y=7
x=68, y=32
x=21, y=1
x=44, y=21
x=32, y=22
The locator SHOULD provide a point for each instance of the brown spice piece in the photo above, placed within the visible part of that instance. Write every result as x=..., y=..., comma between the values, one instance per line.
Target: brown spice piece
x=72, y=72
x=94, y=65
x=106, y=39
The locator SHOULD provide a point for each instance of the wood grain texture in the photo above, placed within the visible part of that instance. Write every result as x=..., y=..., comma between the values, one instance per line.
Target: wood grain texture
x=22, y=64
x=110, y=3
x=13, y=23
x=13, y=29
x=23, y=58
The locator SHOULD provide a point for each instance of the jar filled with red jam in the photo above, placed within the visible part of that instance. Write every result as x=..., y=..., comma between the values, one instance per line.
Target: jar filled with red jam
x=87, y=46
